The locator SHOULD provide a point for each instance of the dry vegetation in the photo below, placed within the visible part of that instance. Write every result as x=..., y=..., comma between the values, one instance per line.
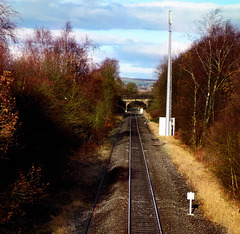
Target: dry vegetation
x=54, y=99
x=206, y=99
x=214, y=201
x=73, y=204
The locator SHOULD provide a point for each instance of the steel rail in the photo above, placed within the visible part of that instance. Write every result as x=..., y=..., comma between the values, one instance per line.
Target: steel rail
x=89, y=217
x=148, y=183
x=130, y=175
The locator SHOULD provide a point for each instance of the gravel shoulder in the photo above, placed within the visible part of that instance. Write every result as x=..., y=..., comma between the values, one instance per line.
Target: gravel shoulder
x=171, y=193
x=170, y=188
x=110, y=214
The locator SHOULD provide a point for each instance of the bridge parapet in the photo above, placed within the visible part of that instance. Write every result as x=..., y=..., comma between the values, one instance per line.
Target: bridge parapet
x=136, y=98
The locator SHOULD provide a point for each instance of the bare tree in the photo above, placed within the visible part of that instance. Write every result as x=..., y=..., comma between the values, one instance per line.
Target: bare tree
x=216, y=55
x=7, y=24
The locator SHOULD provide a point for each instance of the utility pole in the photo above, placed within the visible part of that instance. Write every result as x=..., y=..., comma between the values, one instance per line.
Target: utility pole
x=169, y=81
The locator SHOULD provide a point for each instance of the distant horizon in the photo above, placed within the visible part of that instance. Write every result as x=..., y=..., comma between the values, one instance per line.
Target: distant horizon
x=134, y=78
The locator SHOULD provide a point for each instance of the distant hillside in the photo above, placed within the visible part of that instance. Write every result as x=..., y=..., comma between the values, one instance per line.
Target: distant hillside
x=143, y=84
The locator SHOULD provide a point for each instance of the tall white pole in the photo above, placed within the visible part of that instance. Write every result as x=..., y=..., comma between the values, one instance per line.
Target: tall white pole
x=169, y=81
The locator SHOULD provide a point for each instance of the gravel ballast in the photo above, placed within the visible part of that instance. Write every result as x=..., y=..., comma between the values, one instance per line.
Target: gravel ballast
x=170, y=189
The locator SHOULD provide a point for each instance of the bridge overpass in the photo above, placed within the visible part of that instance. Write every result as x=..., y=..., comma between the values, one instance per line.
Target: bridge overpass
x=136, y=98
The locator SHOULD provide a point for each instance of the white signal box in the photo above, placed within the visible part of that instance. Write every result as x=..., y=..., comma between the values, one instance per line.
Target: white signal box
x=162, y=126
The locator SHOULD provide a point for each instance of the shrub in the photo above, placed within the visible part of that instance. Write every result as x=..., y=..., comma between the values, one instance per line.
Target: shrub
x=224, y=146
x=8, y=114
x=26, y=189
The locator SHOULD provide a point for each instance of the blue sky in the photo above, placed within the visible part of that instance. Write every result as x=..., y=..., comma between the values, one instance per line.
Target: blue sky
x=133, y=31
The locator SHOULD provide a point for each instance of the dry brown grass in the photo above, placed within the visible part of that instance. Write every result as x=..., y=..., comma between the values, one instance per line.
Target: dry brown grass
x=214, y=202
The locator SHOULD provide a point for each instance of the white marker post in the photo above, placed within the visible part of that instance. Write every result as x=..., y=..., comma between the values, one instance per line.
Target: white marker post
x=190, y=196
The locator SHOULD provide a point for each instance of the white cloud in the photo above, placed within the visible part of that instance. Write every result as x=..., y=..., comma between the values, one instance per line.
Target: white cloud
x=94, y=14
x=134, y=33
x=178, y=47
x=129, y=70
x=184, y=13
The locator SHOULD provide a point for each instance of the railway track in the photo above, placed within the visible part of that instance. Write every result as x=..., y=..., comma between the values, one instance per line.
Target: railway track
x=142, y=210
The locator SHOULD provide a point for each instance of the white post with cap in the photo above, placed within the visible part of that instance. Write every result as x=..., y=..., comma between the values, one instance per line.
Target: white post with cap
x=190, y=197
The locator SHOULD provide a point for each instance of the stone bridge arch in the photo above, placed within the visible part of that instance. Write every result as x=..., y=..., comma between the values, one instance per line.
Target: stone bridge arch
x=137, y=98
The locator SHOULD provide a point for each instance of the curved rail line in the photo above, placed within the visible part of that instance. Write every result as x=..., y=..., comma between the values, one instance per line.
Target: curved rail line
x=88, y=220
x=142, y=209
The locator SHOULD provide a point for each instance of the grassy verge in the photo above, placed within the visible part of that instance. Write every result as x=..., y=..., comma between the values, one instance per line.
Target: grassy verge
x=214, y=202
